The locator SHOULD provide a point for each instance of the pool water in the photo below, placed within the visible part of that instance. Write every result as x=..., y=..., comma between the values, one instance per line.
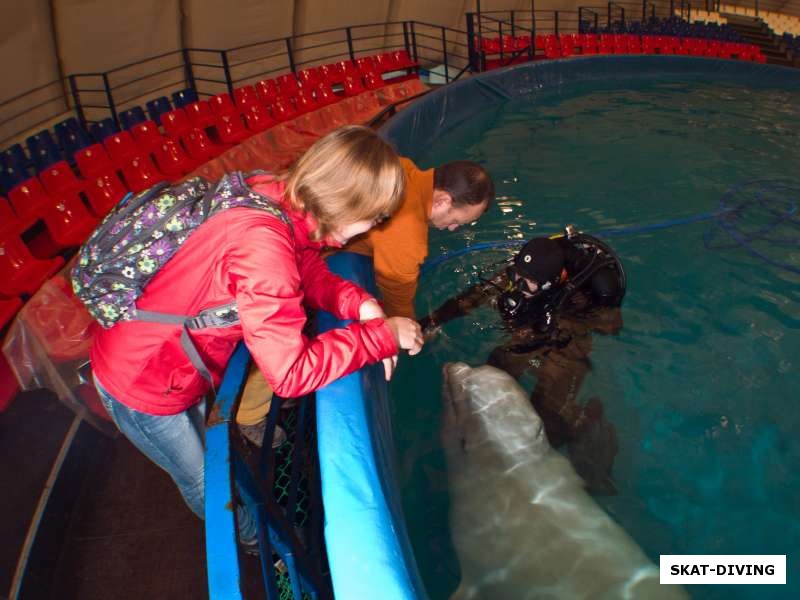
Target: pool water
x=702, y=382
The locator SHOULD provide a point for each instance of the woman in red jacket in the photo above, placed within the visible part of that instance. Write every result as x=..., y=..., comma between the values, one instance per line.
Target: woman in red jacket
x=342, y=186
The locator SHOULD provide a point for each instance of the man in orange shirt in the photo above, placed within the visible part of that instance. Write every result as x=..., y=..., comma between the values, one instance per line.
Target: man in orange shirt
x=446, y=197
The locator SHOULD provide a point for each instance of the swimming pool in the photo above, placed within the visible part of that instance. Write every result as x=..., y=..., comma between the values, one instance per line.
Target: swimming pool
x=688, y=167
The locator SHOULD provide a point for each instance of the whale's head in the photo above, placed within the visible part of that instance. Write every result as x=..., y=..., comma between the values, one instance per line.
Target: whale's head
x=486, y=409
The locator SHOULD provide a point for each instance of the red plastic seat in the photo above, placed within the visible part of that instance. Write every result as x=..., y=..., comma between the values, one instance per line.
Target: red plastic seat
x=200, y=114
x=634, y=44
x=346, y=69
x=287, y=84
x=309, y=78
x=373, y=80
x=9, y=220
x=403, y=60
x=147, y=135
x=29, y=200
x=68, y=221
x=353, y=86
x=198, y=146
x=606, y=45
x=283, y=110
x=121, y=147
x=8, y=310
x=93, y=160
x=20, y=272
x=620, y=44
x=331, y=74
x=58, y=179
x=245, y=97
x=324, y=95
x=230, y=130
x=267, y=91
x=176, y=123
x=221, y=104
x=172, y=160
x=304, y=102
x=104, y=193
x=588, y=43
x=258, y=119
x=140, y=173
x=386, y=63
x=366, y=64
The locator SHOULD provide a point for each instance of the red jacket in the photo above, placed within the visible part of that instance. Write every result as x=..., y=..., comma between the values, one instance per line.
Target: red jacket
x=249, y=256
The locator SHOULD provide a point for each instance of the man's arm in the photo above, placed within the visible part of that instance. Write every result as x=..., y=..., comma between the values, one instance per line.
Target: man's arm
x=477, y=295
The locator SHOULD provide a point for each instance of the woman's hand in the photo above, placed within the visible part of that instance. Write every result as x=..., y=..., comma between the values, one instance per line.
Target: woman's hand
x=370, y=309
x=407, y=333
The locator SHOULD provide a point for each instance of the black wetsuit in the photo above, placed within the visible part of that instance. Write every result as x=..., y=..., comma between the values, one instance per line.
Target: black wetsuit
x=556, y=351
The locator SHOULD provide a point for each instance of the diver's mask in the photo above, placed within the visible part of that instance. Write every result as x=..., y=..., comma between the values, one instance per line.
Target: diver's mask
x=518, y=301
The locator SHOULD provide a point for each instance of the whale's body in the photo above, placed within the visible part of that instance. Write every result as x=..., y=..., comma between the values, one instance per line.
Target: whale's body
x=522, y=523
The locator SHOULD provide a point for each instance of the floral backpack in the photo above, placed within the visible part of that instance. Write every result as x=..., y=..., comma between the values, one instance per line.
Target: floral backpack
x=140, y=236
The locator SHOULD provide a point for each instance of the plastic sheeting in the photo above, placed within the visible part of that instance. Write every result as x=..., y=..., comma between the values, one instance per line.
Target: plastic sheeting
x=279, y=146
x=368, y=548
x=47, y=346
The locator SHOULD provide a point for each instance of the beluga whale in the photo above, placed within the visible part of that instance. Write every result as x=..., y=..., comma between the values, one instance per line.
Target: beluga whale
x=521, y=521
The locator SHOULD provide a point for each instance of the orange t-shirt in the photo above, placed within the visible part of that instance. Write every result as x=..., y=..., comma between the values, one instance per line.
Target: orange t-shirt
x=400, y=246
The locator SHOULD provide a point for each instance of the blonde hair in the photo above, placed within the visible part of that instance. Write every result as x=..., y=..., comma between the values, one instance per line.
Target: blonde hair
x=349, y=175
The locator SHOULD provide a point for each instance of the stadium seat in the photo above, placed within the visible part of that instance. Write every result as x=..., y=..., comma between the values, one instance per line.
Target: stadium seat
x=15, y=155
x=147, y=135
x=9, y=220
x=121, y=147
x=132, y=116
x=200, y=114
x=229, y=130
x=267, y=91
x=373, y=80
x=140, y=173
x=43, y=150
x=104, y=192
x=283, y=110
x=157, y=107
x=304, y=101
x=176, y=123
x=72, y=140
x=68, y=221
x=309, y=78
x=245, y=97
x=198, y=145
x=172, y=160
x=365, y=64
x=257, y=118
x=10, y=176
x=59, y=180
x=183, y=97
x=287, y=84
x=324, y=95
x=353, y=85
x=221, y=104
x=29, y=200
x=102, y=129
x=20, y=272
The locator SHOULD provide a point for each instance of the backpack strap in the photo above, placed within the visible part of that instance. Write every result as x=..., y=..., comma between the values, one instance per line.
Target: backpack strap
x=224, y=315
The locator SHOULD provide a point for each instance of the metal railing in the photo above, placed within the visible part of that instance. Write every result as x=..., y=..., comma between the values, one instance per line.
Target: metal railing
x=92, y=97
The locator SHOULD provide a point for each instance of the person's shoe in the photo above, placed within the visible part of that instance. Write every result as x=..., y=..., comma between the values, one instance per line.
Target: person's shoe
x=255, y=434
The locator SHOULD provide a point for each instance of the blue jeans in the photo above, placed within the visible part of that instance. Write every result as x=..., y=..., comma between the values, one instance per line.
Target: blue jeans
x=176, y=443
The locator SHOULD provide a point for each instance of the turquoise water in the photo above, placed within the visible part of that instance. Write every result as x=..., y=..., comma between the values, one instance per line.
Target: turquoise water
x=702, y=383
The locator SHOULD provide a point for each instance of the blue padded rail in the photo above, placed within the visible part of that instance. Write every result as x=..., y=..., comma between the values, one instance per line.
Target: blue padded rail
x=368, y=548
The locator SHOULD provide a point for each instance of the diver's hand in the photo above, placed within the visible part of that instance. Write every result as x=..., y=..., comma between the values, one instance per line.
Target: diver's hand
x=407, y=333
x=370, y=309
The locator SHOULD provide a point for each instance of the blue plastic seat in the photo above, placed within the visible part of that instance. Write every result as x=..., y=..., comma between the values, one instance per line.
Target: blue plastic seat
x=72, y=140
x=10, y=176
x=43, y=150
x=182, y=98
x=132, y=116
x=157, y=107
x=102, y=129
x=17, y=157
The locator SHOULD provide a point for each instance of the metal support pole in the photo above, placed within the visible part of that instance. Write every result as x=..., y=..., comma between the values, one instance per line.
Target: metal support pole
x=290, y=54
x=227, y=69
x=110, y=97
x=187, y=69
x=76, y=100
x=350, y=45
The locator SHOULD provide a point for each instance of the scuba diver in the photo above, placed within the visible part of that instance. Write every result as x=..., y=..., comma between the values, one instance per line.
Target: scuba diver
x=553, y=294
